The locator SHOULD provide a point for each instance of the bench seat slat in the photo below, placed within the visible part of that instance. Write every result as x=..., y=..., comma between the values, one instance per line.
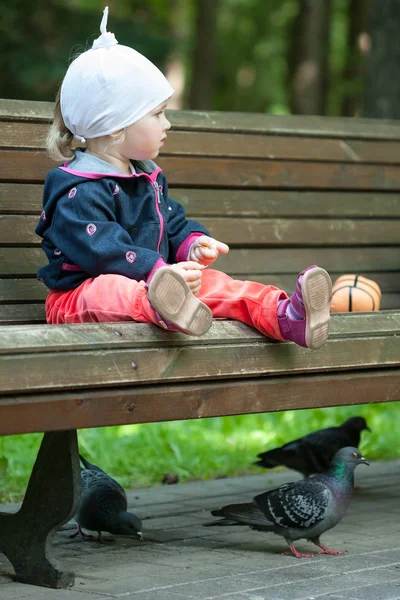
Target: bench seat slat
x=30, y=413
x=102, y=336
x=164, y=364
x=20, y=198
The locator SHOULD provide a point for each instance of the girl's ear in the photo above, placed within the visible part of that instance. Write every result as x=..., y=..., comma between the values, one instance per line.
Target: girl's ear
x=117, y=137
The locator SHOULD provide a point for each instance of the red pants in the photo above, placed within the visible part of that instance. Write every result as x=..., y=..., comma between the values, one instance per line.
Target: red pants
x=112, y=298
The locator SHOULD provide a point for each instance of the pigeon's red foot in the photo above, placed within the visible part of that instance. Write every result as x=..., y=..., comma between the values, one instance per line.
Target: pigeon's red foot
x=326, y=550
x=297, y=554
x=85, y=536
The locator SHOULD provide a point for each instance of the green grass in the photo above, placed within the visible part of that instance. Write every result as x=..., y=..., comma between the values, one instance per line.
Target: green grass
x=139, y=455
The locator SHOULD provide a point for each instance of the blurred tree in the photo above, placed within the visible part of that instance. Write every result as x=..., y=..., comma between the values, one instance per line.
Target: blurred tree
x=37, y=41
x=308, y=58
x=357, y=46
x=236, y=53
x=382, y=77
x=202, y=71
x=252, y=44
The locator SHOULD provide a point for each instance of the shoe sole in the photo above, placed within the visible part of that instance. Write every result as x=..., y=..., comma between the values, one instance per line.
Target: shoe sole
x=316, y=289
x=170, y=295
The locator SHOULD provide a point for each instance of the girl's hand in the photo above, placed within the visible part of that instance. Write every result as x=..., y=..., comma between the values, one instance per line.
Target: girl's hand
x=191, y=272
x=205, y=250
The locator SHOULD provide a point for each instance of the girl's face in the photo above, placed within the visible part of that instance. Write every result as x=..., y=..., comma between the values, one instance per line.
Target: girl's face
x=144, y=138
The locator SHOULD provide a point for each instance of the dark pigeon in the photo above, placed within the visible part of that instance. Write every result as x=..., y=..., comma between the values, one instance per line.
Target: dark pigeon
x=313, y=452
x=103, y=506
x=304, y=509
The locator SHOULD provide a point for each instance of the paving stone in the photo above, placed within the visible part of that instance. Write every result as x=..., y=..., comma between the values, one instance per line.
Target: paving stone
x=182, y=559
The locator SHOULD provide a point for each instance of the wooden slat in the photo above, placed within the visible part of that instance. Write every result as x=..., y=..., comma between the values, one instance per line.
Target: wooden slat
x=389, y=282
x=11, y=314
x=288, y=260
x=390, y=301
x=21, y=261
x=20, y=290
x=120, y=336
x=348, y=128
x=19, y=198
x=26, y=110
x=33, y=135
x=30, y=413
x=91, y=369
x=247, y=232
x=32, y=290
x=287, y=203
x=206, y=172
x=15, y=262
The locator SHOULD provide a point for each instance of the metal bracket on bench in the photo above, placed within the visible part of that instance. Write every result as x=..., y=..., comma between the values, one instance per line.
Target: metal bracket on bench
x=51, y=499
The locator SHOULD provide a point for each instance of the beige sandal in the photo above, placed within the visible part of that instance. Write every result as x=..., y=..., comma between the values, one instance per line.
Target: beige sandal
x=170, y=296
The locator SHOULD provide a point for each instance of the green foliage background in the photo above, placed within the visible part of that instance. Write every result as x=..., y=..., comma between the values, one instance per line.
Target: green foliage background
x=39, y=39
x=139, y=455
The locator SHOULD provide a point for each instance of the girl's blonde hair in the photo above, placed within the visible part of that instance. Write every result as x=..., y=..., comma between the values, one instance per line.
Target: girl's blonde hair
x=59, y=139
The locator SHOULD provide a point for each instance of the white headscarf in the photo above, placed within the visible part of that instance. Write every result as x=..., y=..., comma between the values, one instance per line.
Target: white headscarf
x=110, y=87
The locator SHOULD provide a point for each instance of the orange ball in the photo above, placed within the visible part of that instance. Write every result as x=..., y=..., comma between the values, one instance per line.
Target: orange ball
x=355, y=293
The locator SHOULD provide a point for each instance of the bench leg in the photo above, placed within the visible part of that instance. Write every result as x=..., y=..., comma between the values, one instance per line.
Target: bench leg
x=51, y=499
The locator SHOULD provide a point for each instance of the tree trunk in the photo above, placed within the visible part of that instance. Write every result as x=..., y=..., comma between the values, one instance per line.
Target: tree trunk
x=202, y=75
x=357, y=48
x=382, y=77
x=308, y=60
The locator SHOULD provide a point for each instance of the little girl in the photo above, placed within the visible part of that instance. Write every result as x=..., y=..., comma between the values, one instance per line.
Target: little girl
x=118, y=247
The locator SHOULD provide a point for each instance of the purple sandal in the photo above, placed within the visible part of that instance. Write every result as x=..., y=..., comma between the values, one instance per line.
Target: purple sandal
x=304, y=317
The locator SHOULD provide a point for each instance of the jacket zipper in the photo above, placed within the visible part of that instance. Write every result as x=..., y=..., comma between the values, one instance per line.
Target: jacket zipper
x=156, y=187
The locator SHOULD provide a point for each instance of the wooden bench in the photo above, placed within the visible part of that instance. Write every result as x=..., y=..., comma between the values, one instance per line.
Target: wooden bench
x=283, y=192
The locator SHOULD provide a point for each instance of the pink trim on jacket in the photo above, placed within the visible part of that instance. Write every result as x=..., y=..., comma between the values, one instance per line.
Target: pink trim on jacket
x=69, y=267
x=94, y=175
x=184, y=249
x=160, y=263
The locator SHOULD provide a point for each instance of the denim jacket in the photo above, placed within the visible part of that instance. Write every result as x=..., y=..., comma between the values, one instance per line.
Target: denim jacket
x=96, y=220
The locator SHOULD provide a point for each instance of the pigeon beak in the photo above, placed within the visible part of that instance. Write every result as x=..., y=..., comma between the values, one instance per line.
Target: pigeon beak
x=368, y=428
x=363, y=461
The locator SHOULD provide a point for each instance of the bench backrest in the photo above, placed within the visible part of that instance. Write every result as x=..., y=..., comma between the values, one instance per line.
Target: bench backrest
x=283, y=191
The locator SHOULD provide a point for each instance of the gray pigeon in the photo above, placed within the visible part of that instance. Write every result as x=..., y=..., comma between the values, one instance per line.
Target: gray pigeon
x=103, y=506
x=304, y=509
x=313, y=452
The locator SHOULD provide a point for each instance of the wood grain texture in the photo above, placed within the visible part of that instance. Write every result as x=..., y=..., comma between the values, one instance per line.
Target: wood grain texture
x=183, y=120
x=30, y=413
x=130, y=335
x=24, y=135
x=20, y=198
x=233, y=172
x=15, y=262
x=226, y=352
x=246, y=232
